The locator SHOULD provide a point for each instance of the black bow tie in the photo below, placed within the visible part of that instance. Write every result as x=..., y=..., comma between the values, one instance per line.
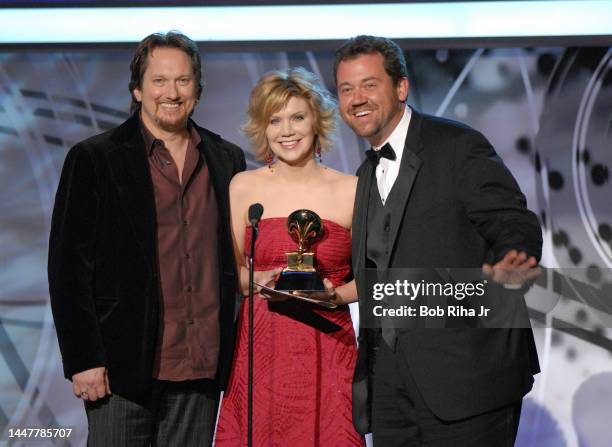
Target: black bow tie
x=385, y=152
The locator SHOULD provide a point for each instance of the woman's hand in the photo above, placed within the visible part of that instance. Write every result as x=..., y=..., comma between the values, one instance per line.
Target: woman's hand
x=329, y=294
x=265, y=278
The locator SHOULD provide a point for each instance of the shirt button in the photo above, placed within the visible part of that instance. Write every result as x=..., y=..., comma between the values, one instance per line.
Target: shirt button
x=387, y=228
x=190, y=321
x=189, y=289
x=187, y=256
x=167, y=162
x=185, y=222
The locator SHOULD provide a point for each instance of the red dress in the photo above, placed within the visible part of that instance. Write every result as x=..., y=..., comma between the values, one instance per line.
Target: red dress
x=304, y=356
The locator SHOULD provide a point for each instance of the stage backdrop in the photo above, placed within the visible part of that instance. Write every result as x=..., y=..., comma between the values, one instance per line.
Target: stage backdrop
x=548, y=112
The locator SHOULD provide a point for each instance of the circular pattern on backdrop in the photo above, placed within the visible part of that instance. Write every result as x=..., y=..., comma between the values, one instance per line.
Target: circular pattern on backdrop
x=574, y=159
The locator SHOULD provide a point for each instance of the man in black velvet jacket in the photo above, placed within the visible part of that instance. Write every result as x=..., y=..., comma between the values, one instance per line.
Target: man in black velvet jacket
x=432, y=194
x=141, y=269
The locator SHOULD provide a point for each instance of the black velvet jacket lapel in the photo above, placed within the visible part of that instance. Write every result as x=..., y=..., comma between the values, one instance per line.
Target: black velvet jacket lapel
x=219, y=172
x=130, y=169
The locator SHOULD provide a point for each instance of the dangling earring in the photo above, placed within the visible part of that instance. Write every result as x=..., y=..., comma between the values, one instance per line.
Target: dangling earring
x=318, y=154
x=269, y=159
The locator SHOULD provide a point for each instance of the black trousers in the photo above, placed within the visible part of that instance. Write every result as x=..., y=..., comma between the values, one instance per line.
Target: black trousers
x=400, y=416
x=181, y=414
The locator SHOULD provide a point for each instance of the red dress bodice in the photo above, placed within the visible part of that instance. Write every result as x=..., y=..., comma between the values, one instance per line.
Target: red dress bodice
x=304, y=355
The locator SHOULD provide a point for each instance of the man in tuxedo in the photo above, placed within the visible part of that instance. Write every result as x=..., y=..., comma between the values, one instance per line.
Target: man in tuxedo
x=432, y=193
x=141, y=269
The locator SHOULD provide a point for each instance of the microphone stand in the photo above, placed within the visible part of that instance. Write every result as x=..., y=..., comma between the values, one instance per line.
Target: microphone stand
x=255, y=227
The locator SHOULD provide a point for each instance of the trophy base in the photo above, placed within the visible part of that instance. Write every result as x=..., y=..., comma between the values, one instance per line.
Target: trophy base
x=299, y=281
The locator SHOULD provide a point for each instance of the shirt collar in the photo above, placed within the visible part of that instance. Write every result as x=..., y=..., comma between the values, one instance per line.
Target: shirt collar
x=397, y=139
x=150, y=140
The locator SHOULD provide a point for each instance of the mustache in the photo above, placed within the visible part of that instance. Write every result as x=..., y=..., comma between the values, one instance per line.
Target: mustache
x=363, y=108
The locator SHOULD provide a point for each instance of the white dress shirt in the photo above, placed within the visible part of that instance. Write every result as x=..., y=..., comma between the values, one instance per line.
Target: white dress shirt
x=387, y=170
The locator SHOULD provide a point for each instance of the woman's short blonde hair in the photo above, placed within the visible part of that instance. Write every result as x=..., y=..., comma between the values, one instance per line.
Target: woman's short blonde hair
x=272, y=93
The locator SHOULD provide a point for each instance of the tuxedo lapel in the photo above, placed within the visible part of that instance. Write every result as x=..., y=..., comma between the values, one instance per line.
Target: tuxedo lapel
x=409, y=168
x=360, y=214
x=132, y=177
x=361, y=406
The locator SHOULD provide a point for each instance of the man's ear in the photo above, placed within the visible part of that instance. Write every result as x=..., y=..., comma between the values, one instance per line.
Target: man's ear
x=402, y=89
x=137, y=94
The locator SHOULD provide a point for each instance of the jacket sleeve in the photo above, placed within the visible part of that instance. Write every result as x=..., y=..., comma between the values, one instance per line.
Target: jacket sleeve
x=492, y=198
x=239, y=160
x=71, y=267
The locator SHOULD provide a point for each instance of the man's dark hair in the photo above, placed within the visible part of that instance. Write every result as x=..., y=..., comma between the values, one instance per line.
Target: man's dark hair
x=395, y=63
x=171, y=39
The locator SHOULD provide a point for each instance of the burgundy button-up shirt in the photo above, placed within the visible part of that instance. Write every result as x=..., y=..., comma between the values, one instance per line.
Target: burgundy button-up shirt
x=188, y=343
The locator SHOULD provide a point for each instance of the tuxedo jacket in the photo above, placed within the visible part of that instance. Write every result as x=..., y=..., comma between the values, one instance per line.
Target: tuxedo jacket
x=104, y=281
x=458, y=207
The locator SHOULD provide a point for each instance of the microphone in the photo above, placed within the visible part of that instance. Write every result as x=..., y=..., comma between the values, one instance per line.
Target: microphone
x=255, y=212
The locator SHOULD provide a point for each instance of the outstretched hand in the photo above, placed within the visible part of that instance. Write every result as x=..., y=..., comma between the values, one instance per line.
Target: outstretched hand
x=514, y=269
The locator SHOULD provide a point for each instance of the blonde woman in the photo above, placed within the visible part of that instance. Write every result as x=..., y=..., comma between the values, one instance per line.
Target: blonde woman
x=304, y=355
